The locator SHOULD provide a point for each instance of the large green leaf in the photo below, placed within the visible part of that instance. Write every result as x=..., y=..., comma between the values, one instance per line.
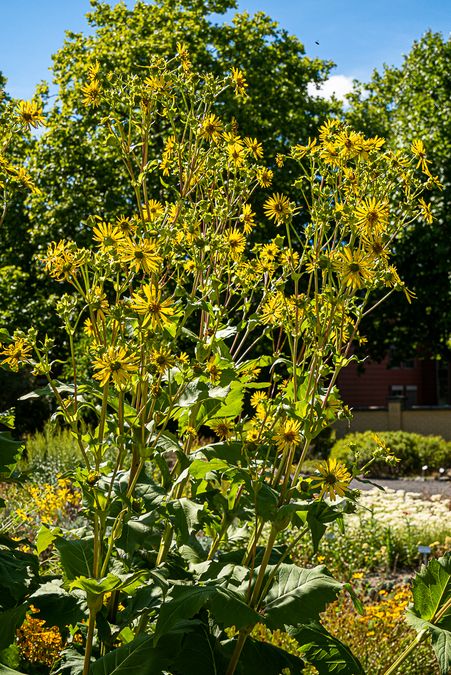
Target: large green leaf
x=431, y=608
x=56, y=606
x=325, y=652
x=184, y=602
x=225, y=604
x=10, y=453
x=138, y=657
x=4, y=670
x=10, y=620
x=298, y=595
x=259, y=658
x=187, y=517
x=76, y=556
x=18, y=576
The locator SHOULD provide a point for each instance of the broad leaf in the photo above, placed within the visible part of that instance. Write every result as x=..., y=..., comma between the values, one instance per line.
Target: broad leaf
x=76, y=556
x=431, y=608
x=10, y=620
x=259, y=658
x=18, y=576
x=138, y=657
x=56, y=606
x=184, y=602
x=10, y=453
x=326, y=652
x=297, y=595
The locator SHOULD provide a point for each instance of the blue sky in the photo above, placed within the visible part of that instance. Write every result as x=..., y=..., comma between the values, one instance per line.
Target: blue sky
x=358, y=35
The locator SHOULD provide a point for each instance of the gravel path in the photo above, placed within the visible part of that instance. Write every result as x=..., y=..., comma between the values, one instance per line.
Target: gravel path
x=425, y=487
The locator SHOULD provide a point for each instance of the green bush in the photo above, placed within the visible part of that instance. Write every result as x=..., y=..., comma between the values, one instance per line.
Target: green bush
x=413, y=451
x=50, y=452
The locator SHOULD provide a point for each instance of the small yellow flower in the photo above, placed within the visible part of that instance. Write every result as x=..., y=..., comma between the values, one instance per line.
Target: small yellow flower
x=288, y=435
x=239, y=82
x=236, y=242
x=162, y=359
x=254, y=146
x=426, y=211
x=247, y=217
x=107, y=235
x=211, y=127
x=92, y=93
x=355, y=268
x=157, y=312
x=372, y=215
x=334, y=479
x=277, y=208
x=264, y=177
x=17, y=353
x=115, y=364
x=30, y=114
x=142, y=256
x=152, y=210
x=419, y=151
x=257, y=398
x=223, y=428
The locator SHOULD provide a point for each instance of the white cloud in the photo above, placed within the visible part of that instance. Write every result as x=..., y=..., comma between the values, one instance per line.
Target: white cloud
x=336, y=84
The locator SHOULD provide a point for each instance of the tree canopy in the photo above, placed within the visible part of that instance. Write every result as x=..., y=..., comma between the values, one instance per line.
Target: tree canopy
x=403, y=104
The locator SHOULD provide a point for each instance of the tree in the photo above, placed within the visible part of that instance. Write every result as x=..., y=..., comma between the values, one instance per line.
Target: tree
x=403, y=104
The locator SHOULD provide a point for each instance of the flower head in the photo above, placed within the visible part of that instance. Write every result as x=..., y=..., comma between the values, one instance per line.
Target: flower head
x=333, y=480
x=277, y=208
x=288, y=435
x=30, y=114
x=115, y=364
x=157, y=312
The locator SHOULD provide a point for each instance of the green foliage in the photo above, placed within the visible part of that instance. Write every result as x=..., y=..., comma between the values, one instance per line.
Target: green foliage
x=413, y=450
x=401, y=104
x=431, y=610
x=50, y=453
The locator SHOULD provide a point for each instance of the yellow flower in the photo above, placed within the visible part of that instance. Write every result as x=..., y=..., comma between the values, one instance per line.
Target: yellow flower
x=277, y=208
x=156, y=312
x=38, y=643
x=372, y=215
x=16, y=353
x=264, y=177
x=153, y=210
x=239, y=82
x=254, y=146
x=330, y=152
x=236, y=152
x=213, y=370
x=288, y=435
x=419, y=151
x=162, y=359
x=334, y=479
x=426, y=211
x=126, y=225
x=141, y=256
x=223, y=428
x=115, y=364
x=257, y=398
x=211, y=127
x=247, y=218
x=108, y=235
x=92, y=93
x=328, y=129
x=236, y=242
x=30, y=114
x=272, y=310
x=349, y=143
x=63, y=259
x=354, y=267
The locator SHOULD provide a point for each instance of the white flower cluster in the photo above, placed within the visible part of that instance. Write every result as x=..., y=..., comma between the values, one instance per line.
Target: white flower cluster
x=401, y=511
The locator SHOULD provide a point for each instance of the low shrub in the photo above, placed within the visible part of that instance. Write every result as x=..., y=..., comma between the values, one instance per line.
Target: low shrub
x=50, y=453
x=413, y=450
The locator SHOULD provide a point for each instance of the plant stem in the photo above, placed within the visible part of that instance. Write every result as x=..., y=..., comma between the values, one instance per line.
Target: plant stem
x=237, y=651
x=419, y=638
x=89, y=639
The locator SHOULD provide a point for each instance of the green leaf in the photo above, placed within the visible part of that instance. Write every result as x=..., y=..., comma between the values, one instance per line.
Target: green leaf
x=325, y=652
x=10, y=620
x=258, y=658
x=18, y=576
x=187, y=517
x=431, y=588
x=184, y=602
x=56, y=606
x=138, y=657
x=298, y=595
x=200, y=468
x=45, y=537
x=229, y=609
x=10, y=453
x=431, y=608
x=4, y=670
x=76, y=556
